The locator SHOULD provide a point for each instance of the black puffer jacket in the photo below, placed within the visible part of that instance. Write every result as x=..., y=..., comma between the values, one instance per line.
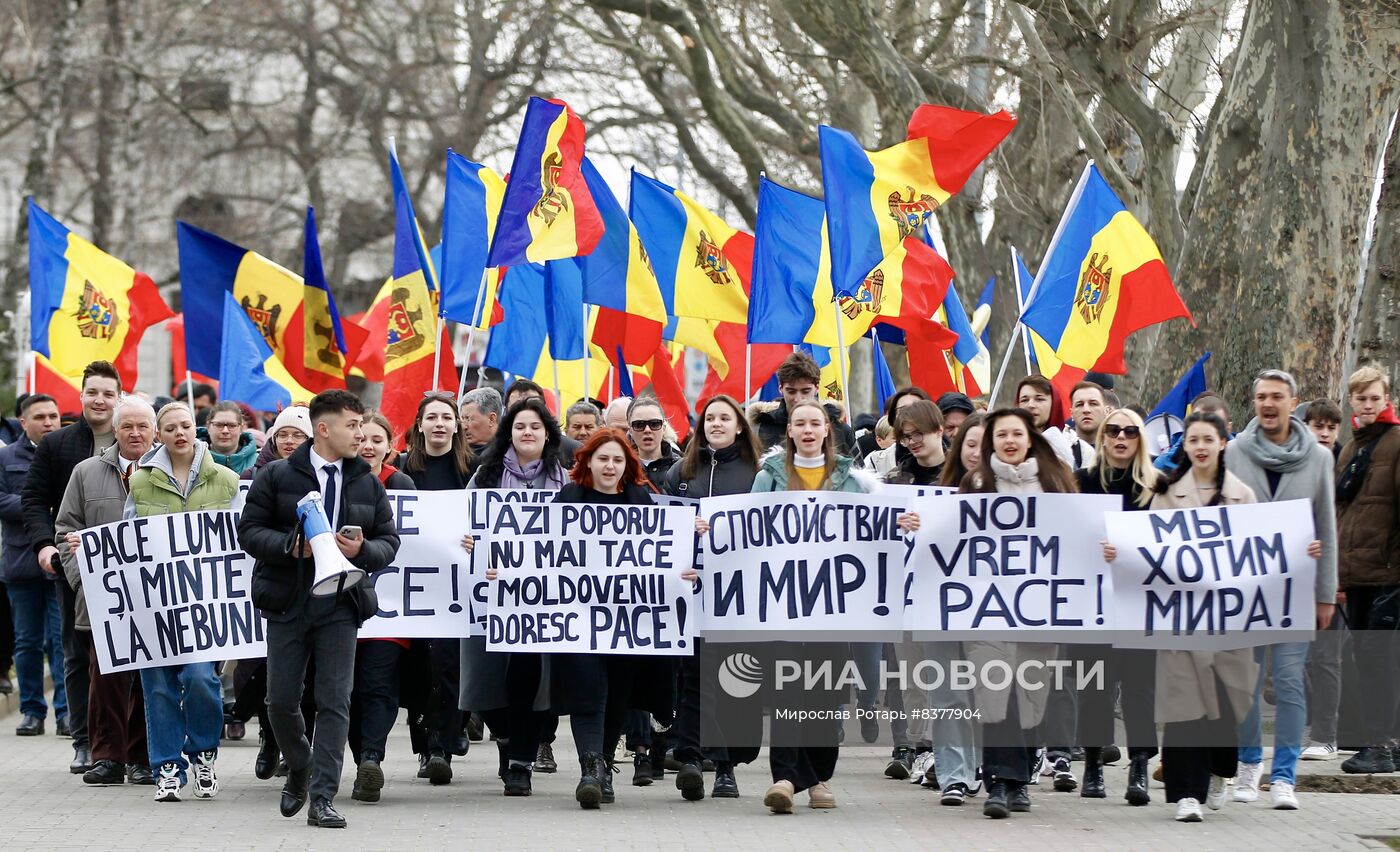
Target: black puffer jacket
x=772, y=428
x=282, y=581
x=721, y=472
x=54, y=459
x=657, y=469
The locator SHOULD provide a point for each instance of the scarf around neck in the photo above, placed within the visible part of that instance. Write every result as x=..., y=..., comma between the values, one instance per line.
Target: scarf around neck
x=1280, y=458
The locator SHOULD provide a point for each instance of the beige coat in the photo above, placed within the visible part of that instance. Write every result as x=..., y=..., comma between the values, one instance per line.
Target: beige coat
x=1186, y=679
x=1031, y=696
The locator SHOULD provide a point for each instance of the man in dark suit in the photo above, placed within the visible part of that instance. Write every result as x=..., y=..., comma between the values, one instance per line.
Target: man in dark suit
x=54, y=459
x=300, y=626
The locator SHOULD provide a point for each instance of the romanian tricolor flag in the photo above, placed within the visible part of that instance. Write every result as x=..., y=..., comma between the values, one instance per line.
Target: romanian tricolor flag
x=1102, y=280
x=547, y=212
x=875, y=200
x=411, y=342
x=85, y=305
x=471, y=204
x=701, y=262
x=329, y=345
x=619, y=279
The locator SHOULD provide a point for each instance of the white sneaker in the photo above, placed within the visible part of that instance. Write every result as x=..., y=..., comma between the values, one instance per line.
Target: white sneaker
x=1219, y=789
x=1326, y=751
x=206, y=783
x=1042, y=766
x=168, y=783
x=1247, y=782
x=1188, y=810
x=1283, y=796
x=921, y=764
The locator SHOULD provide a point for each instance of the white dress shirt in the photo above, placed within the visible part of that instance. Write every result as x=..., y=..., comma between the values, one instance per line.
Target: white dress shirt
x=319, y=465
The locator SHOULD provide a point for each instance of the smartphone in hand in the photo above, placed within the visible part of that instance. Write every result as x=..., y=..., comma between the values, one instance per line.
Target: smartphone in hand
x=351, y=531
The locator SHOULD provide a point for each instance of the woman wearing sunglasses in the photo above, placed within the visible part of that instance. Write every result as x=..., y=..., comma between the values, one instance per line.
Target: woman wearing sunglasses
x=1121, y=467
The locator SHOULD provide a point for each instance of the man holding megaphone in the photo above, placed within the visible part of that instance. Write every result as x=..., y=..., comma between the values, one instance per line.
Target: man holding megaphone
x=311, y=581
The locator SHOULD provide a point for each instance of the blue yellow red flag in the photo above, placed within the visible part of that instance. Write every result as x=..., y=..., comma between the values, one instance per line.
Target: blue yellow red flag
x=702, y=263
x=471, y=204
x=985, y=303
x=85, y=305
x=884, y=380
x=247, y=365
x=618, y=277
x=329, y=344
x=787, y=258
x=271, y=295
x=412, y=339
x=1103, y=279
x=877, y=199
x=547, y=212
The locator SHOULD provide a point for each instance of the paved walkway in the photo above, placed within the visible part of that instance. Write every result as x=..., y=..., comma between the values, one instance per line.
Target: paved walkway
x=47, y=808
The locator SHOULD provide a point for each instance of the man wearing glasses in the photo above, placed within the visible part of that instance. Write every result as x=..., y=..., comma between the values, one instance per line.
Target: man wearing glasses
x=231, y=445
x=647, y=428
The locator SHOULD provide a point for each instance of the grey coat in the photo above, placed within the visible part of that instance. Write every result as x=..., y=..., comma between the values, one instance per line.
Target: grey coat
x=96, y=495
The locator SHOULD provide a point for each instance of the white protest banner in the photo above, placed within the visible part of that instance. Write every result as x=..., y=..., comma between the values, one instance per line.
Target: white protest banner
x=1214, y=578
x=910, y=493
x=1028, y=566
x=423, y=593
x=483, y=504
x=803, y=561
x=169, y=589
x=692, y=503
x=588, y=611
x=584, y=577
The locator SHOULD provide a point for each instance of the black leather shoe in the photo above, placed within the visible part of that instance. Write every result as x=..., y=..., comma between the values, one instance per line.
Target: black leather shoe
x=142, y=775
x=60, y=727
x=517, y=782
x=725, y=787
x=294, y=792
x=323, y=815
x=30, y=726
x=266, y=763
x=641, y=770
x=691, y=782
x=476, y=729
x=996, y=806
x=82, y=760
x=1019, y=798
x=589, y=792
x=462, y=745
x=105, y=772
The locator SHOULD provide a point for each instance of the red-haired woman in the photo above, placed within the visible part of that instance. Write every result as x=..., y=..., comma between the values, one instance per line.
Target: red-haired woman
x=597, y=690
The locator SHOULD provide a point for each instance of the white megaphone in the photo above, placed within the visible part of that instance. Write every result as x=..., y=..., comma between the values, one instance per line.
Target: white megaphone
x=334, y=573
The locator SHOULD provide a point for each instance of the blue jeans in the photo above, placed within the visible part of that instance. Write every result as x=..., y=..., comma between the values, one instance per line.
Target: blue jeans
x=34, y=606
x=184, y=712
x=1288, y=661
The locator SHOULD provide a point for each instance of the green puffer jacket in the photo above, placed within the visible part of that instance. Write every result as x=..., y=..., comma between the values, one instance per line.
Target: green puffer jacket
x=155, y=492
x=772, y=475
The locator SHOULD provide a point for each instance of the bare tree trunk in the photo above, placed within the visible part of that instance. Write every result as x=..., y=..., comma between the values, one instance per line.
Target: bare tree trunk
x=1375, y=338
x=109, y=111
x=1272, y=248
x=37, y=179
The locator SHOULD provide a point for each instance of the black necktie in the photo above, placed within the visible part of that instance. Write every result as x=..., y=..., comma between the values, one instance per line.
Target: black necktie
x=328, y=494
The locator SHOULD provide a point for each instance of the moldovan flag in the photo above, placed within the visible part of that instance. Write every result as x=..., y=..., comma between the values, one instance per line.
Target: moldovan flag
x=271, y=295
x=43, y=378
x=877, y=199
x=619, y=279
x=1102, y=280
x=702, y=263
x=1043, y=360
x=329, y=346
x=471, y=204
x=248, y=371
x=85, y=305
x=547, y=212
x=411, y=342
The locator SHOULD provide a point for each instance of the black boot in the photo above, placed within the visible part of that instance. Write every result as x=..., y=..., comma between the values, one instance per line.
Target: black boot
x=1093, y=787
x=266, y=762
x=1137, y=794
x=641, y=770
x=589, y=792
x=996, y=805
x=607, y=769
x=725, y=787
